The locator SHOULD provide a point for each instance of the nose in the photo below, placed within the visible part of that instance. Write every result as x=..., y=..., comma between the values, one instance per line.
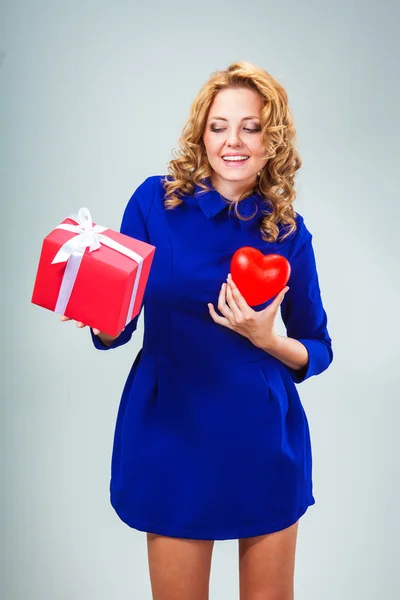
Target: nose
x=233, y=138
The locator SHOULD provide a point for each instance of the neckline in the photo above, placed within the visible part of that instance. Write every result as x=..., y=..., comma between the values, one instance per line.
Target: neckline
x=213, y=202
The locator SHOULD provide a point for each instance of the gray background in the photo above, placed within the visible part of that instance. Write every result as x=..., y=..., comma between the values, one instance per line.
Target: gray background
x=93, y=98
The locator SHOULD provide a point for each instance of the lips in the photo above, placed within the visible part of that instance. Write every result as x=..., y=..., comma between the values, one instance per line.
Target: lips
x=237, y=161
x=234, y=155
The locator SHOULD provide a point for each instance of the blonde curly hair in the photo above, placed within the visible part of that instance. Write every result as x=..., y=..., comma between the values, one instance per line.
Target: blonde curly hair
x=275, y=182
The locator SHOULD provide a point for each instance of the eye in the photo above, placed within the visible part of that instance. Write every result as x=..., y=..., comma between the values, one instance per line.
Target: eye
x=217, y=130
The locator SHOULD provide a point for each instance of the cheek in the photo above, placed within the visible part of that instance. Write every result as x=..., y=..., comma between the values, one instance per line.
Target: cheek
x=257, y=146
x=258, y=150
x=212, y=145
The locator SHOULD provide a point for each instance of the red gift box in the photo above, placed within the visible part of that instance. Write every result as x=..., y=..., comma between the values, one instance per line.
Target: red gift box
x=92, y=274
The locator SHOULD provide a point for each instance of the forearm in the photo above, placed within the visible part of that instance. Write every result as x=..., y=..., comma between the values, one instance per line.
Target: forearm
x=105, y=339
x=288, y=350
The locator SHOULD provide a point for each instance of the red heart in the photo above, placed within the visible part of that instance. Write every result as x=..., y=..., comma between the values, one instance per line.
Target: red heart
x=259, y=277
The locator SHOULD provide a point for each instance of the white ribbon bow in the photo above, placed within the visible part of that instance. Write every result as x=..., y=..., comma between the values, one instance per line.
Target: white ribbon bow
x=88, y=236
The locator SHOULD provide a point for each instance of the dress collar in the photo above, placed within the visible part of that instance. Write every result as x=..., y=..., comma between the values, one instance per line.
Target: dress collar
x=212, y=202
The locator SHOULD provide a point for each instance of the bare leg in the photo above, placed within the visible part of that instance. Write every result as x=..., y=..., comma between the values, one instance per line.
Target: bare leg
x=266, y=565
x=179, y=568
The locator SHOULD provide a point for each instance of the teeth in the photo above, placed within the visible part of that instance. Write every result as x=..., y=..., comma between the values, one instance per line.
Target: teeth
x=235, y=157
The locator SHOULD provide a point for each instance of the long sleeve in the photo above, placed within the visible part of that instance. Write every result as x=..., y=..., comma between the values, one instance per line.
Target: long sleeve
x=133, y=224
x=302, y=310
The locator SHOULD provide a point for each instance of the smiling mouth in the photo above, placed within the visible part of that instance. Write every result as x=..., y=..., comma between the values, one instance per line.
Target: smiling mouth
x=235, y=160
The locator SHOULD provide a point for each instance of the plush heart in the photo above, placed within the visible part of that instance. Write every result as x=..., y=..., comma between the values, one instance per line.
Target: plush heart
x=259, y=277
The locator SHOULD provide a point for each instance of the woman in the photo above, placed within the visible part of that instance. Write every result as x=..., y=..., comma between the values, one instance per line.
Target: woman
x=211, y=440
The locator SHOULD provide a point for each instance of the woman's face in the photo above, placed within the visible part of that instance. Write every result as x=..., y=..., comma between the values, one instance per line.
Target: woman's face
x=233, y=127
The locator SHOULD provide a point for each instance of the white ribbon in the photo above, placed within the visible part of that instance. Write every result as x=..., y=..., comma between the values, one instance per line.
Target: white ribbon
x=88, y=236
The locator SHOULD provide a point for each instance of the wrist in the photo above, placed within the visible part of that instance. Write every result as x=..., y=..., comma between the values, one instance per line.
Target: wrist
x=107, y=340
x=271, y=343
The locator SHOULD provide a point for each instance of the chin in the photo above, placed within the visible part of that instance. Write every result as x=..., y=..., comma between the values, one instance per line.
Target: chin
x=237, y=176
x=230, y=173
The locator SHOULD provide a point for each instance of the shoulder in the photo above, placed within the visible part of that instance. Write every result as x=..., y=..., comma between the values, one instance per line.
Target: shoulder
x=299, y=236
x=154, y=182
x=143, y=195
x=301, y=232
x=152, y=187
x=148, y=186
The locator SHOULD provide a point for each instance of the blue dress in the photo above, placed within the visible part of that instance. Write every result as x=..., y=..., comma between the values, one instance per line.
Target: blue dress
x=211, y=438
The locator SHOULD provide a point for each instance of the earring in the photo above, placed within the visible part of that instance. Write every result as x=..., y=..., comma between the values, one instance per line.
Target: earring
x=259, y=173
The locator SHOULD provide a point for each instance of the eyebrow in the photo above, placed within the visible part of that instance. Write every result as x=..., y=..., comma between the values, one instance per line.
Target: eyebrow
x=244, y=118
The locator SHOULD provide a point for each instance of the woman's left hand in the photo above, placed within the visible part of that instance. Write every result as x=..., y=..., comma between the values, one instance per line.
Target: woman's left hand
x=257, y=326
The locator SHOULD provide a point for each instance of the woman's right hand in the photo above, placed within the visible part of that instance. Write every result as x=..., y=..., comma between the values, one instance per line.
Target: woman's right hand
x=78, y=324
x=106, y=339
